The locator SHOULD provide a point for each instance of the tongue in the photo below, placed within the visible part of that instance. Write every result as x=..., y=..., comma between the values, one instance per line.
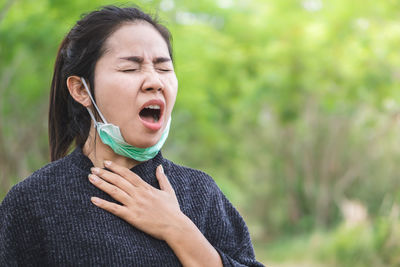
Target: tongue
x=148, y=118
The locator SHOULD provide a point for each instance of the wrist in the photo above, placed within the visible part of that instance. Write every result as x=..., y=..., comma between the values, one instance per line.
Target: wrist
x=190, y=245
x=176, y=232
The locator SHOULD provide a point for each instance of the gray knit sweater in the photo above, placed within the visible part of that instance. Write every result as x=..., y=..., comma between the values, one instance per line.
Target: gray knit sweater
x=48, y=219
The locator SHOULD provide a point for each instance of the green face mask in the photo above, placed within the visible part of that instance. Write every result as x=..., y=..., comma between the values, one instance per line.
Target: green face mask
x=110, y=135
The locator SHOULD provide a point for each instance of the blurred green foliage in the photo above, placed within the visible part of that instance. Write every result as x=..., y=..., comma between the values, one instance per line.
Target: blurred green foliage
x=291, y=105
x=359, y=245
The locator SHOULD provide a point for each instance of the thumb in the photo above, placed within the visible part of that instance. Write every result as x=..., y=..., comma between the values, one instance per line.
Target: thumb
x=163, y=180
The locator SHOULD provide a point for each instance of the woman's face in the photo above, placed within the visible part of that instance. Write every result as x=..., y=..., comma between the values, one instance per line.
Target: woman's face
x=135, y=83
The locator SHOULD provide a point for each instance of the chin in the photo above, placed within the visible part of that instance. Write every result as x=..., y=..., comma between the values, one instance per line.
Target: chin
x=143, y=143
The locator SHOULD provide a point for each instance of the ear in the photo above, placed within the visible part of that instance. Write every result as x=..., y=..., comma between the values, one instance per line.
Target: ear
x=77, y=90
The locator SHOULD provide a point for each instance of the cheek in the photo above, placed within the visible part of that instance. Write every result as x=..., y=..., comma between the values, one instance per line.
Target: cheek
x=172, y=92
x=172, y=84
x=119, y=86
x=115, y=99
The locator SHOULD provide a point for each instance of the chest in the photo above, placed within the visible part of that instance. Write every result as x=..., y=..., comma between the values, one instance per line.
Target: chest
x=90, y=236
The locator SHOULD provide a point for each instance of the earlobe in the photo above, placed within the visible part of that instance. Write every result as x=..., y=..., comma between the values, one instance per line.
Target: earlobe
x=77, y=90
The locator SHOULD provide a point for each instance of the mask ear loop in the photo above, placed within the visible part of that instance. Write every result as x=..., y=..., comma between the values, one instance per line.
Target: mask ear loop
x=94, y=103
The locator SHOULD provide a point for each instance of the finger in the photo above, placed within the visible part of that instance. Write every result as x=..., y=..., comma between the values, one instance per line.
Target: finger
x=126, y=173
x=115, y=192
x=163, y=180
x=115, y=179
x=115, y=209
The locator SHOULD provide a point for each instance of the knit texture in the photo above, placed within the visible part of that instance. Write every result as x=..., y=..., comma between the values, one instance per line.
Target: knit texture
x=48, y=219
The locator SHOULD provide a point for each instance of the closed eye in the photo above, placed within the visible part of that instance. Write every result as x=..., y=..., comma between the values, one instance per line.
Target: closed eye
x=164, y=70
x=129, y=70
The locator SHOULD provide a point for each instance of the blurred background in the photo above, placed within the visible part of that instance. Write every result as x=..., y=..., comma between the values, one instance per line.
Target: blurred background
x=291, y=105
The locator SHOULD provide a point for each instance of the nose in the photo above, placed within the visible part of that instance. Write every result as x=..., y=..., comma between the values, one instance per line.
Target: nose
x=152, y=83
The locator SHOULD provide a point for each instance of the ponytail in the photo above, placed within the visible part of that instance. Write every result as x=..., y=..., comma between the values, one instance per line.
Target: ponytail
x=68, y=120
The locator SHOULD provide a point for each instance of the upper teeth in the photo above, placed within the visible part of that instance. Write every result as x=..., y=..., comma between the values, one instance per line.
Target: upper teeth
x=153, y=107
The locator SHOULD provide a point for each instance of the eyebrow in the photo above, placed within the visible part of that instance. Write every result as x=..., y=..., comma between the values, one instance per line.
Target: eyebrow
x=140, y=59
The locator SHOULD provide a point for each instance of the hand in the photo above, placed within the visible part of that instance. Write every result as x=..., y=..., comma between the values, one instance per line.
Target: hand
x=153, y=211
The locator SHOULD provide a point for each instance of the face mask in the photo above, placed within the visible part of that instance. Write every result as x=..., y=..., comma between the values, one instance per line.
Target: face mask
x=110, y=135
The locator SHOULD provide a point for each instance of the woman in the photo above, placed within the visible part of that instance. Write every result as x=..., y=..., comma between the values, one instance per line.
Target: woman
x=115, y=201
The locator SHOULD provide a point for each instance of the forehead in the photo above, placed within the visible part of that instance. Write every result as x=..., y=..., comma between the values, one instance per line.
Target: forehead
x=136, y=39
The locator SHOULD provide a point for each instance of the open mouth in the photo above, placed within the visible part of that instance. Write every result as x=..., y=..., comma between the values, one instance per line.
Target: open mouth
x=151, y=113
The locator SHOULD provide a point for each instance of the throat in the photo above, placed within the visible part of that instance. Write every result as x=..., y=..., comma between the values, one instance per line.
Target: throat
x=98, y=152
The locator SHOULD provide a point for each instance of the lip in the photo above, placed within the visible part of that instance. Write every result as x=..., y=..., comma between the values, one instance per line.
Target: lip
x=154, y=126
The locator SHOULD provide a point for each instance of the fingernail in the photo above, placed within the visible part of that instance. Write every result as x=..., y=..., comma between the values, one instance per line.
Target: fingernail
x=93, y=178
x=161, y=169
x=95, y=170
x=107, y=163
x=95, y=200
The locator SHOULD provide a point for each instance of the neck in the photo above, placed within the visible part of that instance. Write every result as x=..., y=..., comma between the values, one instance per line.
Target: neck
x=98, y=152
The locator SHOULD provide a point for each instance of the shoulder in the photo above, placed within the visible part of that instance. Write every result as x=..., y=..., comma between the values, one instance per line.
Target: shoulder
x=200, y=189
x=30, y=188
x=198, y=186
x=198, y=182
x=191, y=177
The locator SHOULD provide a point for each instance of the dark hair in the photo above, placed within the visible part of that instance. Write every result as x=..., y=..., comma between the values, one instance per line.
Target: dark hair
x=77, y=55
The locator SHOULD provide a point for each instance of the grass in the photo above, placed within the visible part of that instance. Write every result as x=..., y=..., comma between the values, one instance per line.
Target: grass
x=368, y=244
